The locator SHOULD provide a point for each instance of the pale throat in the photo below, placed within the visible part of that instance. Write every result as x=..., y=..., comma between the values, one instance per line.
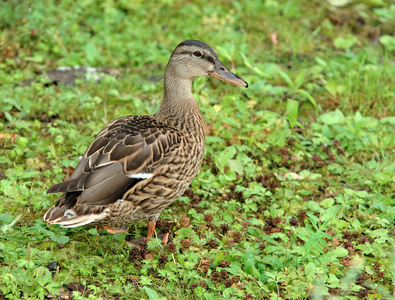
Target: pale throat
x=179, y=107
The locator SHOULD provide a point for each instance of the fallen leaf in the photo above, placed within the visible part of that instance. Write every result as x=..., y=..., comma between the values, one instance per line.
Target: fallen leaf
x=8, y=136
x=273, y=38
x=294, y=176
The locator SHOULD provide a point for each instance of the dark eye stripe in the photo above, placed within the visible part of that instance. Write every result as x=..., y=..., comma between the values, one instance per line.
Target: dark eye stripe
x=210, y=59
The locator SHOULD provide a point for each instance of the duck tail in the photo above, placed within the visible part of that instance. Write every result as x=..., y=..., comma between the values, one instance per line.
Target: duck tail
x=74, y=217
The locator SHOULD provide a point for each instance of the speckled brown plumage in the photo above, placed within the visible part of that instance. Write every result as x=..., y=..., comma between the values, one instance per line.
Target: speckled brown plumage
x=138, y=165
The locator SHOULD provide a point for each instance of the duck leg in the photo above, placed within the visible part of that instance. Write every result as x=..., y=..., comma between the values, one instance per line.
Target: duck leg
x=150, y=232
x=151, y=228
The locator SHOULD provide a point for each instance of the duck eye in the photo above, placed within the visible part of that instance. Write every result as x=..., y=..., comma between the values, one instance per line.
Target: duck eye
x=197, y=54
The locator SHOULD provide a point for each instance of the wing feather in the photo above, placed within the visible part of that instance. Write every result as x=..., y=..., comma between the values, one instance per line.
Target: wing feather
x=125, y=148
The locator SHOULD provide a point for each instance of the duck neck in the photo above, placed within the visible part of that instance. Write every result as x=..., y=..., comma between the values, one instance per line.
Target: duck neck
x=179, y=108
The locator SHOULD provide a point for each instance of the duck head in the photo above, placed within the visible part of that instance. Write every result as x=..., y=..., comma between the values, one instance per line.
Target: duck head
x=194, y=58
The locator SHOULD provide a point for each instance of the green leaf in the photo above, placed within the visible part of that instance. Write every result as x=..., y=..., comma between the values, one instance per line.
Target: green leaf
x=332, y=118
x=331, y=212
x=340, y=252
x=236, y=166
x=292, y=112
x=93, y=231
x=62, y=239
x=30, y=174
x=152, y=295
x=345, y=43
x=299, y=80
x=309, y=270
x=261, y=73
x=218, y=257
x=12, y=102
x=246, y=61
x=6, y=218
x=113, y=92
x=224, y=156
x=22, y=142
x=335, y=88
x=234, y=268
x=250, y=268
x=228, y=218
x=308, y=96
x=230, y=175
x=214, y=139
x=91, y=53
x=224, y=52
x=327, y=203
x=378, y=233
x=333, y=281
x=35, y=59
x=388, y=42
x=320, y=61
x=356, y=224
x=184, y=232
x=286, y=79
x=145, y=280
x=231, y=122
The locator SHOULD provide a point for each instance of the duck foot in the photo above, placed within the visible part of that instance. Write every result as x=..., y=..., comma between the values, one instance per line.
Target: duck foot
x=143, y=240
x=112, y=230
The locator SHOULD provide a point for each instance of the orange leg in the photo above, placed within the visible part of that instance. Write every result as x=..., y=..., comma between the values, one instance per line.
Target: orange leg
x=151, y=228
x=150, y=234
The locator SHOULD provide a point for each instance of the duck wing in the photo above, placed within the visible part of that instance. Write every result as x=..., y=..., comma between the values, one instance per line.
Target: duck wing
x=127, y=151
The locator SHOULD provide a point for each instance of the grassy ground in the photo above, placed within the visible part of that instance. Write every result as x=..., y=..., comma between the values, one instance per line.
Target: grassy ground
x=295, y=198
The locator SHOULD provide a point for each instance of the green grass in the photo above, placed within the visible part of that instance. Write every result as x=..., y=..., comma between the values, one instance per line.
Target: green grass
x=295, y=198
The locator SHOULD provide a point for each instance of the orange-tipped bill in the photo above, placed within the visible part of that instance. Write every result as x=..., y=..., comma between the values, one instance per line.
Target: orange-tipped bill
x=223, y=73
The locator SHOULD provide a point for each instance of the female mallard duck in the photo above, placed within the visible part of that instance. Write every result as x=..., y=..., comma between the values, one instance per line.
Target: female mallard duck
x=139, y=165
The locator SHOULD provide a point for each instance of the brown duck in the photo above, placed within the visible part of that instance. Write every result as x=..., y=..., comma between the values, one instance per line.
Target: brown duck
x=139, y=165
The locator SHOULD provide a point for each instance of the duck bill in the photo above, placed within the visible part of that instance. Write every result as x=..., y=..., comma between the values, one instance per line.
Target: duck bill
x=223, y=73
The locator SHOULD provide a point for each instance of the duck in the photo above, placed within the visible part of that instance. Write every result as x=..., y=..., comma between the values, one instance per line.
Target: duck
x=138, y=165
